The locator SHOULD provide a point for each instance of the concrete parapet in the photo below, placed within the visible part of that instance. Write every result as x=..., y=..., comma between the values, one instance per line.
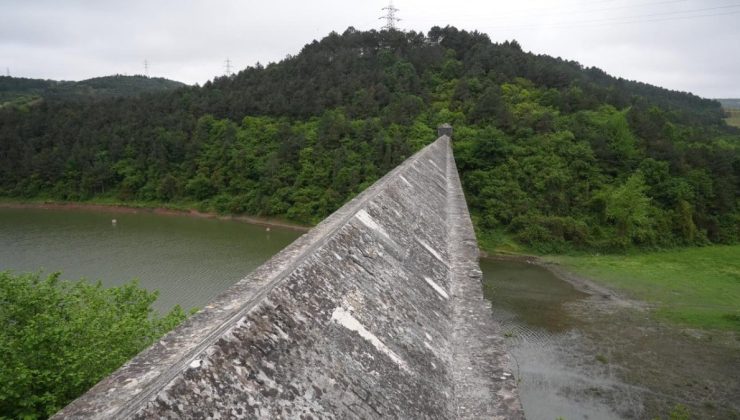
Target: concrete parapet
x=444, y=130
x=376, y=312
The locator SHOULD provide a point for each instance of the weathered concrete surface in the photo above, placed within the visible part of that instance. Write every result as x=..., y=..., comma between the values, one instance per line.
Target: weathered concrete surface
x=376, y=312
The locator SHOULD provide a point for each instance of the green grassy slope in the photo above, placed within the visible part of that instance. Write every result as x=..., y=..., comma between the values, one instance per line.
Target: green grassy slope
x=733, y=117
x=695, y=287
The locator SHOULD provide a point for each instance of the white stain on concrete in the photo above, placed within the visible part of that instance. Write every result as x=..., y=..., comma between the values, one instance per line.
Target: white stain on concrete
x=267, y=381
x=368, y=221
x=406, y=181
x=437, y=287
x=298, y=316
x=434, y=164
x=371, y=224
x=345, y=319
x=431, y=251
x=282, y=333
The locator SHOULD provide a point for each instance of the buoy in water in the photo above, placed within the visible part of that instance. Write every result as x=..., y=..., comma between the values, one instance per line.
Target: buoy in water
x=267, y=229
x=114, y=221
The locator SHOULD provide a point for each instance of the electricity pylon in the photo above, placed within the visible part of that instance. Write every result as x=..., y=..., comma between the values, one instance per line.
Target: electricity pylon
x=390, y=17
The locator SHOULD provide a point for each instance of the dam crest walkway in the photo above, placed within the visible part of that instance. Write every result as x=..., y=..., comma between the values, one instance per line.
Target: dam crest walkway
x=376, y=312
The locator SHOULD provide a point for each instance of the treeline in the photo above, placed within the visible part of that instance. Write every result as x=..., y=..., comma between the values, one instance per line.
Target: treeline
x=552, y=154
x=20, y=92
x=598, y=178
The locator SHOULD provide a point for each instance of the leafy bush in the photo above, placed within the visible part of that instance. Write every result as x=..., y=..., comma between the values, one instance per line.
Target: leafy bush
x=59, y=338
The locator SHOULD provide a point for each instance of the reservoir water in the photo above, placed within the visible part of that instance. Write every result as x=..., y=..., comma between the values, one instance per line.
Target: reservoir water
x=576, y=355
x=189, y=260
x=597, y=355
x=545, y=343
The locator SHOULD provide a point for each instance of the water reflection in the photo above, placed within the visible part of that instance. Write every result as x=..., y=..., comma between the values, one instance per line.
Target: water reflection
x=558, y=375
x=531, y=292
x=189, y=260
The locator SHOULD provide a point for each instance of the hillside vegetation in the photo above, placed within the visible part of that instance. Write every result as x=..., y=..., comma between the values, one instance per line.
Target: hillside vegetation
x=59, y=338
x=19, y=92
x=553, y=155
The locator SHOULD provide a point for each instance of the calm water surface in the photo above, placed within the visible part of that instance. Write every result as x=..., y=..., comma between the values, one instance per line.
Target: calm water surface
x=189, y=260
x=557, y=375
x=597, y=356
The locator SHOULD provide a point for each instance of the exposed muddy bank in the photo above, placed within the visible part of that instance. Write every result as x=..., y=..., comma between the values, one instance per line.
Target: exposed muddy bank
x=122, y=208
x=585, y=351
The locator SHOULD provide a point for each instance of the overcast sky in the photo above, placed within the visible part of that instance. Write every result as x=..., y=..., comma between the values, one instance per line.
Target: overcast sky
x=689, y=45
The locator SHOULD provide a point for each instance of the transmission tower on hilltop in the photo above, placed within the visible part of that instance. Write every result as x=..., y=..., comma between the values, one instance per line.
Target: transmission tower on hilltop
x=228, y=67
x=390, y=17
x=146, y=68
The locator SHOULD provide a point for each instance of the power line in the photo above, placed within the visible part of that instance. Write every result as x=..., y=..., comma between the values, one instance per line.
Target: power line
x=662, y=20
x=628, y=19
x=668, y=13
x=560, y=10
x=390, y=17
x=628, y=6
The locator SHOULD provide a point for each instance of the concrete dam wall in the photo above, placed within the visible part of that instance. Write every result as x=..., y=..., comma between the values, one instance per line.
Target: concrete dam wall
x=376, y=312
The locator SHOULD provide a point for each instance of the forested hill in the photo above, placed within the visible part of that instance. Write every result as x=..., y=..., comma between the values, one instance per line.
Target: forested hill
x=18, y=91
x=551, y=154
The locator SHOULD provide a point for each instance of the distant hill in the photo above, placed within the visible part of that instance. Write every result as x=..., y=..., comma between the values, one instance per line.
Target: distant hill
x=19, y=91
x=552, y=154
x=730, y=103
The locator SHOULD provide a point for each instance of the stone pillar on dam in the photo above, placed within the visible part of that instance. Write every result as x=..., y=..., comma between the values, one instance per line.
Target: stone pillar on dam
x=376, y=312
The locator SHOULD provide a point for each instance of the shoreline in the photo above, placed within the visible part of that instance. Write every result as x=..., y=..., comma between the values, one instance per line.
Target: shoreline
x=584, y=284
x=130, y=209
x=620, y=348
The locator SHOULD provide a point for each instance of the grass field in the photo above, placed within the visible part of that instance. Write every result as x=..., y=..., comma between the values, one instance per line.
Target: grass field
x=734, y=118
x=695, y=287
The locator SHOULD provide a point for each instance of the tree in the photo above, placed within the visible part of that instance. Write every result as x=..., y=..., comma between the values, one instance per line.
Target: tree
x=59, y=338
x=629, y=208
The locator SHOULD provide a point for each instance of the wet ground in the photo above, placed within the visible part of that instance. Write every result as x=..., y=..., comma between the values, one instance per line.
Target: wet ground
x=583, y=352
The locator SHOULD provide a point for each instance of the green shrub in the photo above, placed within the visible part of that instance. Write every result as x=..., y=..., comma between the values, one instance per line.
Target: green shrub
x=59, y=338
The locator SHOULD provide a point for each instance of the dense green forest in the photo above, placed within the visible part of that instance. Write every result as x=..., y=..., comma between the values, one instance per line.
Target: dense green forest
x=552, y=154
x=20, y=92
